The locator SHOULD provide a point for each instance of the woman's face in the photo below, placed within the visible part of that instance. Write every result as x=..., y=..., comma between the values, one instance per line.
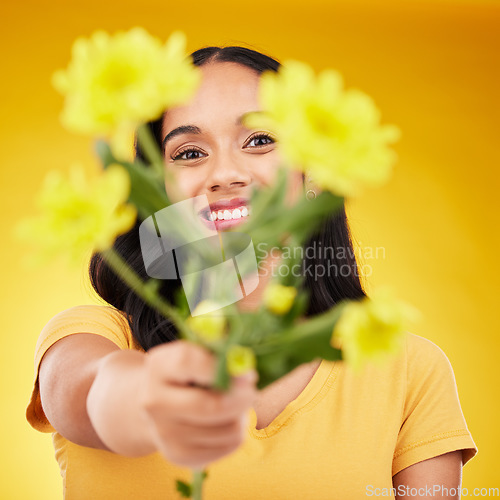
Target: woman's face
x=210, y=152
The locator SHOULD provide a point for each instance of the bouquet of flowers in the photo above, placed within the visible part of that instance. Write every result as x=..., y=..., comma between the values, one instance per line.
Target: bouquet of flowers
x=113, y=86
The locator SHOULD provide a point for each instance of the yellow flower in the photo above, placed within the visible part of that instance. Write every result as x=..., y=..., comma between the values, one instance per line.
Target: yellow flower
x=332, y=134
x=372, y=328
x=206, y=322
x=122, y=142
x=78, y=216
x=279, y=298
x=120, y=81
x=239, y=360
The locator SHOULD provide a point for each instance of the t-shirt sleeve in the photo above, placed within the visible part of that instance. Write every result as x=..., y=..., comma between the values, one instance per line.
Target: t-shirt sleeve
x=433, y=422
x=97, y=319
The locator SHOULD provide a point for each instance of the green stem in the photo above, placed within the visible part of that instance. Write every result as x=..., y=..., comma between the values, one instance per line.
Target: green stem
x=150, y=149
x=197, y=484
x=122, y=269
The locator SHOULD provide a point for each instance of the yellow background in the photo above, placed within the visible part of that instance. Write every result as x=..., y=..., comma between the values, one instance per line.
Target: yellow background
x=432, y=68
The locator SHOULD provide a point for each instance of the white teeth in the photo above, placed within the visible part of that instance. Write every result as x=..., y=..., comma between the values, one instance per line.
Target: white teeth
x=237, y=213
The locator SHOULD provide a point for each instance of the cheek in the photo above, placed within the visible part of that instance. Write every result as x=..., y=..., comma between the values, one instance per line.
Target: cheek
x=266, y=172
x=266, y=168
x=295, y=186
x=180, y=185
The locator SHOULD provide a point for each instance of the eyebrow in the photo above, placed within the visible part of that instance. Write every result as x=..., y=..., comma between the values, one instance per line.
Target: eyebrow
x=193, y=129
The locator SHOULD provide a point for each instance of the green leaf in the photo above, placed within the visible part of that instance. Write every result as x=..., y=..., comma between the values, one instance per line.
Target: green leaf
x=299, y=344
x=183, y=488
x=147, y=192
x=275, y=365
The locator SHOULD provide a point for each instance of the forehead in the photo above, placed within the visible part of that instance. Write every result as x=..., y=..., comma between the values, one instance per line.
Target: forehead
x=227, y=90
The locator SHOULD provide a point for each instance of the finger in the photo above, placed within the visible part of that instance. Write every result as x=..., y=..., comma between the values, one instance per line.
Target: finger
x=220, y=436
x=198, y=456
x=203, y=407
x=183, y=363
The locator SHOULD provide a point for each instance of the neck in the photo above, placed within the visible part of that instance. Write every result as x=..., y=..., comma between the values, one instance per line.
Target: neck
x=266, y=269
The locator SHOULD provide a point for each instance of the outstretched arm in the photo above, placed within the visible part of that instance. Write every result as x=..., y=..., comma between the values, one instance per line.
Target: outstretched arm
x=135, y=403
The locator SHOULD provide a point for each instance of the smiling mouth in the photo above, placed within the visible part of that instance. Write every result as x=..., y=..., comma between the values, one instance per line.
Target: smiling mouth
x=226, y=214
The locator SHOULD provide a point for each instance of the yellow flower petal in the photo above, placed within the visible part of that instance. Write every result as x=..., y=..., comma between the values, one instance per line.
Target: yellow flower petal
x=78, y=216
x=207, y=321
x=130, y=78
x=122, y=141
x=278, y=298
x=373, y=328
x=239, y=360
x=333, y=133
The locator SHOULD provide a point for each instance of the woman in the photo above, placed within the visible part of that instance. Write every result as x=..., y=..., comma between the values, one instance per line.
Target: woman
x=122, y=396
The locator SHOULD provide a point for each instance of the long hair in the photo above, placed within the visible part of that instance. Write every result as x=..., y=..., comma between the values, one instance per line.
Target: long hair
x=338, y=280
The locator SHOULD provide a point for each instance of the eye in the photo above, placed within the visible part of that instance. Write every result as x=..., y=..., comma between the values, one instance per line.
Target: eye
x=190, y=154
x=260, y=140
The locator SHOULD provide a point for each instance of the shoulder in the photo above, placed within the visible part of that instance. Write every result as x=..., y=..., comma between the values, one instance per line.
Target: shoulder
x=419, y=345
x=102, y=320
x=425, y=357
x=88, y=312
x=430, y=380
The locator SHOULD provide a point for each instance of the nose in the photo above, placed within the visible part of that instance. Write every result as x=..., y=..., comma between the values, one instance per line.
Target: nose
x=228, y=172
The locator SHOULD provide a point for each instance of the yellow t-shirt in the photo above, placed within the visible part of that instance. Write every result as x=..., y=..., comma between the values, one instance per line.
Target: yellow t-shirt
x=343, y=436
